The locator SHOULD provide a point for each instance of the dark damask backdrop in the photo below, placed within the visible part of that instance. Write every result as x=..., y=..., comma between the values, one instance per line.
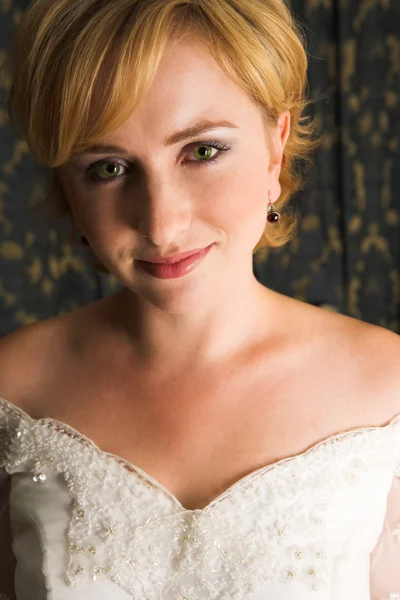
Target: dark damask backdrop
x=346, y=255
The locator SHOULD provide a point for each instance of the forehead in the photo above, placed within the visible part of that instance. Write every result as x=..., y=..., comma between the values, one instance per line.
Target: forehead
x=189, y=85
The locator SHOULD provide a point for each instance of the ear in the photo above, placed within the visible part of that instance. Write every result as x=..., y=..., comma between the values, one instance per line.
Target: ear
x=278, y=137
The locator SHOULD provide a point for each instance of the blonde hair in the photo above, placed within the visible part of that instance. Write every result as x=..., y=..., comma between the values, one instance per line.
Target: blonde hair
x=80, y=67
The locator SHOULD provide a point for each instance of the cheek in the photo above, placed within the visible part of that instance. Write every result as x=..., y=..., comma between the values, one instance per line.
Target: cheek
x=75, y=198
x=239, y=202
x=89, y=208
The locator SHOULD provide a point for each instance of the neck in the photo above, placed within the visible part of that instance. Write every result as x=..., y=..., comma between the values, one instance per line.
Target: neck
x=208, y=333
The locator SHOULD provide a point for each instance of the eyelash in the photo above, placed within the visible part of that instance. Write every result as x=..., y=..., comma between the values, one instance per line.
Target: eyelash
x=91, y=175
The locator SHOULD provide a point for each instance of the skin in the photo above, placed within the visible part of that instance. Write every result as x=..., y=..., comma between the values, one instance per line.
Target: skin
x=170, y=203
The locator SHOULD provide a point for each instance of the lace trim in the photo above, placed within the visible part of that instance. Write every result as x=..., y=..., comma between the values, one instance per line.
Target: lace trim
x=11, y=414
x=145, y=542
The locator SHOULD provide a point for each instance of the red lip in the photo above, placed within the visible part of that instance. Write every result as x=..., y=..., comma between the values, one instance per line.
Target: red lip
x=176, y=269
x=167, y=260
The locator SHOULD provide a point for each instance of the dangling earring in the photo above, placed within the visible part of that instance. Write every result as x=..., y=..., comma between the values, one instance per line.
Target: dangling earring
x=273, y=216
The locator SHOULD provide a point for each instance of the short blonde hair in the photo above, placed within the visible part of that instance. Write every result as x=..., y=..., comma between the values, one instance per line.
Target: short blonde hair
x=80, y=67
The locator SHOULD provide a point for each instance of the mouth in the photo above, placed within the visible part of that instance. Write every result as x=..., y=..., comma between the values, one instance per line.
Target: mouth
x=173, y=270
x=171, y=259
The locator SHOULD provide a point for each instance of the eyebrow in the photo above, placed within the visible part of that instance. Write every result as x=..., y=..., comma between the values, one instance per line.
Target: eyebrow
x=197, y=129
x=189, y=132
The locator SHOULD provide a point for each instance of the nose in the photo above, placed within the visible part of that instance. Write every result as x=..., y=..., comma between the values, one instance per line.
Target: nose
x=164, y=213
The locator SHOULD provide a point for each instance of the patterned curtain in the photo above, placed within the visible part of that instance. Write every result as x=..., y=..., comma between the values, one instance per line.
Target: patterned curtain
x=346, y=255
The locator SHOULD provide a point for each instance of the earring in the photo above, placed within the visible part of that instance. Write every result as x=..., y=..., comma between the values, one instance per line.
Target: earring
x=273, y=216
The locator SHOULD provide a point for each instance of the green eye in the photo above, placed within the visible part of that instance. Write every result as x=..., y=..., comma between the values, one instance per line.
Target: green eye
x=110, y=170
x=203, y=152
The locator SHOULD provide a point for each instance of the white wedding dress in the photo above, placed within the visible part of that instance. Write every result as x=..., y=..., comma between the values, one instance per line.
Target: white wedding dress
x=78, y=523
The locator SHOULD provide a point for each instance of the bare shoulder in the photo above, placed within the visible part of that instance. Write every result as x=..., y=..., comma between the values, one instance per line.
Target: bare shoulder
x=25, y=358
x=369, y=359
x=379, y=357
x=352, y=365
x=32, y=356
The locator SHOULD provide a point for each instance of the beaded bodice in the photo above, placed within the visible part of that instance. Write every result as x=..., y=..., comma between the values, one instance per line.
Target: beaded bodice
x=286, y=524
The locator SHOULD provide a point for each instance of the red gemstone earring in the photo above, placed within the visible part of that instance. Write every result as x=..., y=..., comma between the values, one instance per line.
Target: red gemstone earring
x=273, y=216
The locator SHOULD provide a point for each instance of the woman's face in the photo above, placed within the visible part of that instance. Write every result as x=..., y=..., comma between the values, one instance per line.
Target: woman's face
x=161, y=194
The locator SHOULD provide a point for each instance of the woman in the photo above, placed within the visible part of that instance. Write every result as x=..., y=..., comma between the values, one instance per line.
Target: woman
x=194, y=435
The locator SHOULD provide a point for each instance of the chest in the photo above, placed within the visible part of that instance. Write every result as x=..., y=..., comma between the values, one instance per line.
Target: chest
x=196, y=435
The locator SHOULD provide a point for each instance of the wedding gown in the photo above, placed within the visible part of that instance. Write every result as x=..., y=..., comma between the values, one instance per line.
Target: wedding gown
x=78, y=523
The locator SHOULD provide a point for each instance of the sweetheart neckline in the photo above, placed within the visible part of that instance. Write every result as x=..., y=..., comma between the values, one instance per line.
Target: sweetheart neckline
x=150, y=479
